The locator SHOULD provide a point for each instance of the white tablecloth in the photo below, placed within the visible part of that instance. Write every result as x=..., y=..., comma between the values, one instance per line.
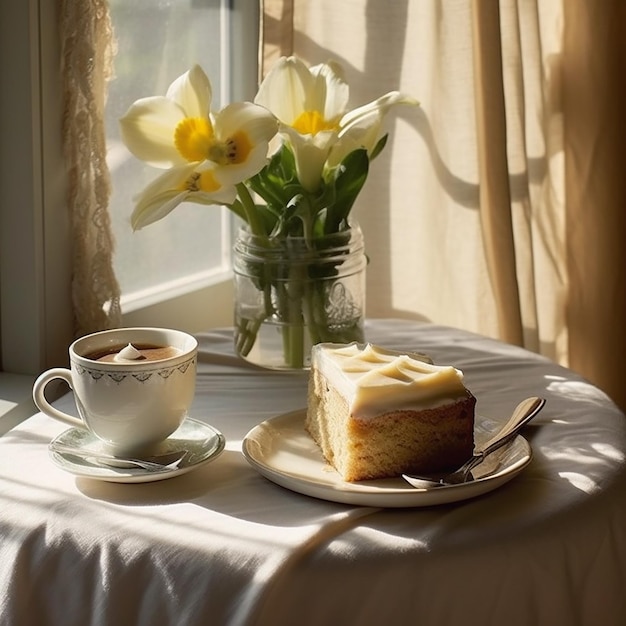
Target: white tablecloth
x=223, y=545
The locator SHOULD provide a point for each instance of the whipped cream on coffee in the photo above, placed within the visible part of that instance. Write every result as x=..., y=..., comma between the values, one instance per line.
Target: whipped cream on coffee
x=128, y=353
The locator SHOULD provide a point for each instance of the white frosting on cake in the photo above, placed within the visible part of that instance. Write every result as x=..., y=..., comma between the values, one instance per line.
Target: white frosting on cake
x=374, y=380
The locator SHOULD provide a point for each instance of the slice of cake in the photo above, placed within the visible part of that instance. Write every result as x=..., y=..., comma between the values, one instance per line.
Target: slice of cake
x=377, y=413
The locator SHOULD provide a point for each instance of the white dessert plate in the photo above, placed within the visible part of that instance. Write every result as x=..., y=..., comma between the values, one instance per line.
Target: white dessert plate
x=282, y=451
x=202, y=442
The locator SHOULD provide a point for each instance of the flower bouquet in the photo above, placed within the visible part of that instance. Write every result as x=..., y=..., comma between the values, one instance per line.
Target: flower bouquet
x=291, y=166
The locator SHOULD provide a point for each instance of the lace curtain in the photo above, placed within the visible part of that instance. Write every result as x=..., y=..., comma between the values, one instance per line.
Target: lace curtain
x=498, y=206
x=87, y=48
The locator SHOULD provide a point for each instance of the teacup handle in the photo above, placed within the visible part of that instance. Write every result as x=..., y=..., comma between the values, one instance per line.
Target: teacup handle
x=44, y=406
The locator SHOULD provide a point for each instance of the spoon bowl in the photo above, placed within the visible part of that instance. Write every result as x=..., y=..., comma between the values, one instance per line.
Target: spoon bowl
x=525, y=411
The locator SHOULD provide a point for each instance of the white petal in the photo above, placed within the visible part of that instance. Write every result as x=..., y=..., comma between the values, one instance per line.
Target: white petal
x=284, y=89
x=256, y=161
x=332, y=91
x=342, y=148
x=256, y=121
x=171, y=179
x=310, y=153
x=167, y=191
x=382, y=105
x=148, y=129
x=153, y=208
x=192, y=92
x=161, y=196
x=363, y=133
x=225, y=195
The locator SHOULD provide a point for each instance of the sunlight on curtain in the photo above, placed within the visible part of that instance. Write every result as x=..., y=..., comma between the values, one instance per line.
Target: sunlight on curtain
x=435, y=243
x=520, y=151
x=534, y=253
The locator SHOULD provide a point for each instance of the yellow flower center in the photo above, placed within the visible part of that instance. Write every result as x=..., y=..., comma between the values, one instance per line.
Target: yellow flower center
x=313, y=122
x=195, y=139
x=201, y=181
x=232, y=151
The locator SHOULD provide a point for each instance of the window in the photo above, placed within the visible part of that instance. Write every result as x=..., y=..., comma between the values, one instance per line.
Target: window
x=35, y=257
x=189, y=250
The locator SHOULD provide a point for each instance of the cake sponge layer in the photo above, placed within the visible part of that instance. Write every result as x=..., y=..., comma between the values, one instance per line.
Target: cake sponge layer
x=396, y=441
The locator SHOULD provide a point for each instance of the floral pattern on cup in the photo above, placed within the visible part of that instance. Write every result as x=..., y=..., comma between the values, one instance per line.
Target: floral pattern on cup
x=142, y=377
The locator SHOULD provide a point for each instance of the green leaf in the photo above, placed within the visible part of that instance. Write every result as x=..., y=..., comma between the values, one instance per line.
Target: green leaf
x=349, y=178
x=275, y=183
x=378, y=148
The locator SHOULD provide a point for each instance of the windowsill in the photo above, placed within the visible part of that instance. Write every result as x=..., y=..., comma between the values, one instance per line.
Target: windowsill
x=16, y=403
x=193, y=312
x=174, y=289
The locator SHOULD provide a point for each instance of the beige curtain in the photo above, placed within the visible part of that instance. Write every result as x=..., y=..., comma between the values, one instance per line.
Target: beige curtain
x=594, y=98
x=498, y=205
x=87, y=47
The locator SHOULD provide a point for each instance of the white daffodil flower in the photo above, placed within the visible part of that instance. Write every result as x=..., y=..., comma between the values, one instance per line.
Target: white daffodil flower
x=178, y=128
x=207, y=154
x=311, y=105
x=309, y=100
x=200, y=183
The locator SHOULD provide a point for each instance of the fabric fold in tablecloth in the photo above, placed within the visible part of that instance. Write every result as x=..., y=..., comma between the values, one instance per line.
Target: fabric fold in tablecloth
x=271, y=581
x=223, y=545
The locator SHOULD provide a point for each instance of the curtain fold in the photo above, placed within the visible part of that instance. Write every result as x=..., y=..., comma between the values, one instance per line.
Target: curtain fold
x=87, y=48
x=594, y=69
x=495, y=196
x=498, y=207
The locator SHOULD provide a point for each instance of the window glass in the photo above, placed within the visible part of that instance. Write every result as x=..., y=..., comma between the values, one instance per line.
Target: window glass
x=156, y=43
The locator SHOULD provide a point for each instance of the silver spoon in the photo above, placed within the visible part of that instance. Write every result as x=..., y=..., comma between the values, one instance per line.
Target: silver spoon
x=524, y=412
x=161, y=462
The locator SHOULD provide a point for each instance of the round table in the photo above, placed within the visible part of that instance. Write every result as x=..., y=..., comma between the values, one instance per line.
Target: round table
x=224, y=545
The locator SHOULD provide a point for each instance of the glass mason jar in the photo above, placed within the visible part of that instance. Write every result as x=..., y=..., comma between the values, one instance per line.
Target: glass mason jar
x=291, y=293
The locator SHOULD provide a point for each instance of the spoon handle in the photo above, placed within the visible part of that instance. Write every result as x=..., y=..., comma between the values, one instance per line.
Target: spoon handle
x=109, y=459
x=523, y=413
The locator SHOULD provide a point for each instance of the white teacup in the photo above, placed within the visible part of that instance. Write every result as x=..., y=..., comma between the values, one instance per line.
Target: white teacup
x=130, y=404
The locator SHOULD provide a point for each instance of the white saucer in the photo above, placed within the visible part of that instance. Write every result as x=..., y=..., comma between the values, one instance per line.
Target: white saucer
x=282, y=451
x=202, y=442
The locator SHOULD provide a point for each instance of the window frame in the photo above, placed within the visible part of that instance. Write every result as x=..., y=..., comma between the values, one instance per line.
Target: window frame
x=36, y=318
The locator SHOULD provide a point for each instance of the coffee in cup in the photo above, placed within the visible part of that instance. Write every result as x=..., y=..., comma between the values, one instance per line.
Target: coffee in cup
x=133, y=386
x=134, y=352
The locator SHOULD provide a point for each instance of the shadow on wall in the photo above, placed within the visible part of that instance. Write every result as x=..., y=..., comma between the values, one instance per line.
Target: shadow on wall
x=378, y=224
